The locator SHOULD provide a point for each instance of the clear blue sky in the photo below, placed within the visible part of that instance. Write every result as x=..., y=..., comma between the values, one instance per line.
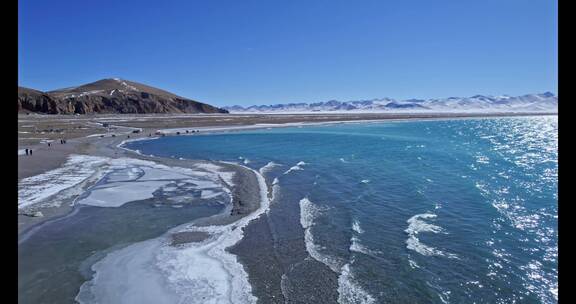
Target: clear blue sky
x=245, y=52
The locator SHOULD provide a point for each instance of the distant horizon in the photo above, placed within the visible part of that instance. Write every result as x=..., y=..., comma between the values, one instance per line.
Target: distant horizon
x=260, y=52
x=296, y=102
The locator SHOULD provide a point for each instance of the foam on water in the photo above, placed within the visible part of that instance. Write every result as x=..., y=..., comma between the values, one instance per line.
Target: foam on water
x=355, y=243
x=412, y=263
x=269, y=166
x=356, y=246
x=356, y=227
x=416, y=225
x=297, y=167
x=349, y=291
x=308, y=213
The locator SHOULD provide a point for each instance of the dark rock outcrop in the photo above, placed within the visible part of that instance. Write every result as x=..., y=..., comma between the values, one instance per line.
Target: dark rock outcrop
x=109, y=96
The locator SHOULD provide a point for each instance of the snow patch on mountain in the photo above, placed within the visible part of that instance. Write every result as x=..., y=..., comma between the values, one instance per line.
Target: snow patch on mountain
x=537, y=103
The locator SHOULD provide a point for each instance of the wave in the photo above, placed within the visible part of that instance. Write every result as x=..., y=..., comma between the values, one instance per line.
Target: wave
x=150, y=271
x=412, y=263
x=275, y=191
x=349, y=291
x=356, y=246
x=268, y=167
x=356, y=227
x=297, y=167
x=416, y=225
x=308, y=213
x=244, y=160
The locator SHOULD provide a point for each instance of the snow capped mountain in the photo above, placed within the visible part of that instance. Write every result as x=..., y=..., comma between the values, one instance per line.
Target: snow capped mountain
x=537, y=103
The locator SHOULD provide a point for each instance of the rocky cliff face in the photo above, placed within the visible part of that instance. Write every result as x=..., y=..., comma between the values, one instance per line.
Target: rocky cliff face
x=109, y=96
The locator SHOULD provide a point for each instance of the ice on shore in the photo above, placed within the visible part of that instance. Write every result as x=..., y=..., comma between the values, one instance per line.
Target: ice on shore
x=118, y=194
x=126, y=180
x=155, y=272
x=133, y=264
x=132, y=180
x=77, y=169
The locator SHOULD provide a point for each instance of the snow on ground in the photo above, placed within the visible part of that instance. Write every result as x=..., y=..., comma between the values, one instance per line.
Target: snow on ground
x=127, y=180
x=77, y=169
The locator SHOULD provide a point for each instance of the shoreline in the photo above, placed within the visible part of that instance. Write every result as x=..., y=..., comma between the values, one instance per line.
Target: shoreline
x=211, y=236
x=231, y=223
x=439, y=117
x=112, y=147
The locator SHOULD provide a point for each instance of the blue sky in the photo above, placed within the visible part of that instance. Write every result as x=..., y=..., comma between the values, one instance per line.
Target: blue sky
x=227, y=52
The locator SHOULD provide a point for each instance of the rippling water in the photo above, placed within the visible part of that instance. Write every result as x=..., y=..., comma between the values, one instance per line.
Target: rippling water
x=444, y=211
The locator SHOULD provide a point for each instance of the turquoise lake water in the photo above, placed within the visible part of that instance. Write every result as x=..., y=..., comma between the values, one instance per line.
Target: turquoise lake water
x=440, y=211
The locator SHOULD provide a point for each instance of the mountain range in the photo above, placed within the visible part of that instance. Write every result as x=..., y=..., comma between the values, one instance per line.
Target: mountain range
x=112, y=95
x=538, y=103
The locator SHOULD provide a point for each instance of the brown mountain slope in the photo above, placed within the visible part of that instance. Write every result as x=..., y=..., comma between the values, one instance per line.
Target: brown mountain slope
x=109, y=96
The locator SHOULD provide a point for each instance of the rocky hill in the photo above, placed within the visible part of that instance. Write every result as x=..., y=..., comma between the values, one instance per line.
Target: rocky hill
x=109, y=96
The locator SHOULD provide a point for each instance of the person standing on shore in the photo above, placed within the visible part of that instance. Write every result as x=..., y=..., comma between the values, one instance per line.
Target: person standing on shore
x=30, y=151
x=26, y=151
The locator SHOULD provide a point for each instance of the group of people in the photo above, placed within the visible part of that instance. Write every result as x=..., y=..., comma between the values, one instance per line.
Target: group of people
x=29, y=151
